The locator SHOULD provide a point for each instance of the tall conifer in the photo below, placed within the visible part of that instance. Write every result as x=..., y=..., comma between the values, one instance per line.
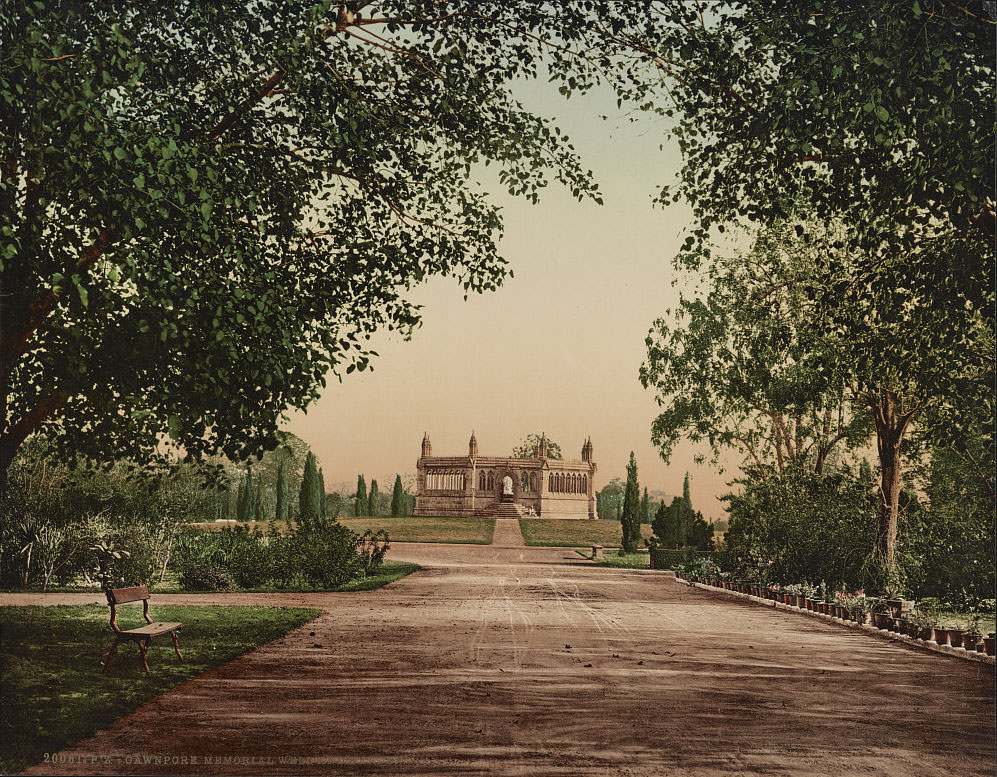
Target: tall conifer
x=360, y=503
x=631, y=508
x=645, y=508
x=687, y=513
x=281, y=513
x=397, y=497
x=373, y=499
x=309, y=506
x=321, y=494
x=248, y=505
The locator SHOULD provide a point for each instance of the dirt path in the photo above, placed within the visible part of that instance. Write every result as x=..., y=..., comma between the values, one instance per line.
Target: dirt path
x=494, y=661
x=507, y=533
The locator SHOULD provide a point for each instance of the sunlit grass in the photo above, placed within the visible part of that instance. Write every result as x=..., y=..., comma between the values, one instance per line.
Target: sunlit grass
x=560, y=532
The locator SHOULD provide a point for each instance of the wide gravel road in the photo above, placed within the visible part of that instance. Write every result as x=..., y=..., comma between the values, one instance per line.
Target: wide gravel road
x=511, y=660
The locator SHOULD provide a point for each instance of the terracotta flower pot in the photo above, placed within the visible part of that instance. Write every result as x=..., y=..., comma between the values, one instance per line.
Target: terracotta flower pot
x=970, y=641
x=941, y=636
x=989, y=646
x=881, y=620
x=955, y=637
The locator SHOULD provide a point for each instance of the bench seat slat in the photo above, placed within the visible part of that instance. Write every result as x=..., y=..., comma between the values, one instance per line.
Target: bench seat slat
x=154, y=629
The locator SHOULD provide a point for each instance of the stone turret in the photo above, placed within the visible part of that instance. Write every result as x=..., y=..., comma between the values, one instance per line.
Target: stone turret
x=587, y=450
x=542, y=448
x=472, y=446
x=427, y=446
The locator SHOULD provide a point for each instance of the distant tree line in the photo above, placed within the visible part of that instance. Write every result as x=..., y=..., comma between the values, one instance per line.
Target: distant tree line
x=373, y=502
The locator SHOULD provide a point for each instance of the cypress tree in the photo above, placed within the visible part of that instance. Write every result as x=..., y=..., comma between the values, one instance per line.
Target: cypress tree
x=321, y=494
x=247, y=505
x=309, y=507
x=645, y=508
x=397, y=498
x=360, y=503
x=240, y=501
x=373, y=499
x=631, y=508
x=687, y=513
x=282, y=513
x=259, y=505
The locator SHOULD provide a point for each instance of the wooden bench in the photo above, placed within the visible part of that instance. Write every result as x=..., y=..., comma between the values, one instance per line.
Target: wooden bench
x=142, y=635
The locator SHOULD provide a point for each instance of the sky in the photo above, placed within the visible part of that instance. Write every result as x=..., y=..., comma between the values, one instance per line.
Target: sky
x=556, y=349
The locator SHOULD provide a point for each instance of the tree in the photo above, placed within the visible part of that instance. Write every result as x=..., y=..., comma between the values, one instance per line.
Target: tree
x=321, y=494
x=397, y=498
x=281, y=512
x=809, y=354
x=247, y=497
x=877, y=114
x=685, y=526
x=631, y=509
x=530, y=446
x=743, y=366
x=667, y=524
x=197, y=228
x=700, y=534
x=799, y=526
x=645, y=508
x=309, y=501
x=360, y=500
x=373, y=499
x=259, y=504
x=609, y=501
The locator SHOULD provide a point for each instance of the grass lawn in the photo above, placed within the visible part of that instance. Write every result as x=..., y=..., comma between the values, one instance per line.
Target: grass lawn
x=574, y=533
x=52, y=689
x=475, y=531
x=639, y=560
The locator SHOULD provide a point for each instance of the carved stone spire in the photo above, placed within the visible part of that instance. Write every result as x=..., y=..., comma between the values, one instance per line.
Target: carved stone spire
x=472, y=446
x=427, y=446
x=587, y=450
x=542, y=448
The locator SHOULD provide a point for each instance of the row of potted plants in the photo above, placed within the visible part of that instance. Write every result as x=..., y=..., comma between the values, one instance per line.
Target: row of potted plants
x=896, y=615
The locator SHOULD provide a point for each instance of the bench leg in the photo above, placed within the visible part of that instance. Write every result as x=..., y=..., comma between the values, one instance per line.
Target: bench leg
x=176, y=645
x=143, y=647
x=110, y=655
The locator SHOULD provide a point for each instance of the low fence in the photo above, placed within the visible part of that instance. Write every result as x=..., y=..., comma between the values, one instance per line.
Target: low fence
x=669, y=558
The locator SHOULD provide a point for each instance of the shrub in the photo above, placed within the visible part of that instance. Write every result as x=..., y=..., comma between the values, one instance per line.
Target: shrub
x=801, y=527
x=206, y=577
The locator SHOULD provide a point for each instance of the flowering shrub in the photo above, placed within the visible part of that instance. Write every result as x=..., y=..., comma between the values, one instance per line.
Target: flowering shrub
x=856, y=601
x=923, y=619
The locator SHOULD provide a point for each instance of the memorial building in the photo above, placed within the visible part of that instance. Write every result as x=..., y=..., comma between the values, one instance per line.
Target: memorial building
x=499, y=486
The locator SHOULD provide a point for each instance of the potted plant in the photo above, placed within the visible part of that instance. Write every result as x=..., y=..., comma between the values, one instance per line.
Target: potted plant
x=989, y=646
x=922, y=623
x=973, y=636
x=880, y=613
x=955, y=636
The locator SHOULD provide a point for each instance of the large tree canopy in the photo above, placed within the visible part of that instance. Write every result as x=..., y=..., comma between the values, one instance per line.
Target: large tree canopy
x=206, y=206
x=744, y=365
x=879, y=114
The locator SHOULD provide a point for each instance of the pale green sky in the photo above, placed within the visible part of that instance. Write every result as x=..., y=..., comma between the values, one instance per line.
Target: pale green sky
x=556, y=349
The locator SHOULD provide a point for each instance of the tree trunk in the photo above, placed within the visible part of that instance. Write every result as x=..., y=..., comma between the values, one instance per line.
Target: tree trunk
x=891, y=426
